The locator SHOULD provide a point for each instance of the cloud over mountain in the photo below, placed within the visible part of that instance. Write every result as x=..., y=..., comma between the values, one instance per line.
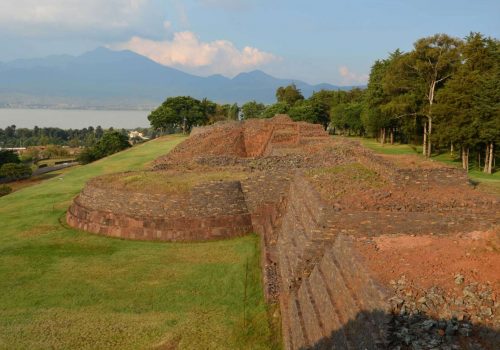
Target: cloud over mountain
x=188, y=52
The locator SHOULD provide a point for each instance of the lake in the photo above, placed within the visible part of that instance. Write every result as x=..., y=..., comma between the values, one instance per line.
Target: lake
x=72, y=118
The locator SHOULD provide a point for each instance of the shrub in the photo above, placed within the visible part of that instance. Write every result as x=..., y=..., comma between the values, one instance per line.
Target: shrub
x=7, y=156
x=5, y=190
x=87, y=156
x=110, y=143
x=54, y=151
x=13, y=171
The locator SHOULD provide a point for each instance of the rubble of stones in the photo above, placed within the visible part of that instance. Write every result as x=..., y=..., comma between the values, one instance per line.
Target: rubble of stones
x=433, y=319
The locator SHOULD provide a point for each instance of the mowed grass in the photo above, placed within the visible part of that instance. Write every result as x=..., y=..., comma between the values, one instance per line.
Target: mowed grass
x=164, y=181
x=387, y=148
x=490, y=183
x=65, y=289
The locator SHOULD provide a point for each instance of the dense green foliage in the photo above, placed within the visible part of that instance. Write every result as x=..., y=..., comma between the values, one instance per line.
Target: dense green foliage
x=12, y=136
x=34, y=154
x=184, y=112
x=14, y=171
x=252, y=109
x=110, y=143
x=277, y=108
x=444, y=93
x=7, y=156
x=309, y=111
x=289, y=95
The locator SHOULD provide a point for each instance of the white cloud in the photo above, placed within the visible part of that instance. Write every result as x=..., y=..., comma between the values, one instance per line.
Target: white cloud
x=352, y=78
x=187, y=52
x=21, y=15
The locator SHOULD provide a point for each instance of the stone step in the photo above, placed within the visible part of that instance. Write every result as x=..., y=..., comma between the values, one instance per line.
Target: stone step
x=349, y=295
x=298, y=339
x=313, y=325
x=329, y=314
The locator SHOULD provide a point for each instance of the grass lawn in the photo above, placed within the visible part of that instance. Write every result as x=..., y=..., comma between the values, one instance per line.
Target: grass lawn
x=490, y=183
x=387, y=148
x=65, y=289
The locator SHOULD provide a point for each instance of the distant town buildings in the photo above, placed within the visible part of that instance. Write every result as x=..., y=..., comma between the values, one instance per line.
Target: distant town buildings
x=17, y=150
x=136, y=135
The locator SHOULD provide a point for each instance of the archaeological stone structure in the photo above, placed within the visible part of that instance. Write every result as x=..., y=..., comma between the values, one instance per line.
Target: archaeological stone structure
x=324, y=208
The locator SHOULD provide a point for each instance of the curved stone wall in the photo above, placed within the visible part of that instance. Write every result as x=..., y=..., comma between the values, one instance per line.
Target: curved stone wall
x=213, y=210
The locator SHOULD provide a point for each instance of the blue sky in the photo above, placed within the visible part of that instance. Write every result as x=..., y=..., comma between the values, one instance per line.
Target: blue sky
x=315, y=41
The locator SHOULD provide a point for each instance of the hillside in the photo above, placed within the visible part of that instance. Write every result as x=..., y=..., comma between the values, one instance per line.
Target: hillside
x=65, y=289
x=105, y=78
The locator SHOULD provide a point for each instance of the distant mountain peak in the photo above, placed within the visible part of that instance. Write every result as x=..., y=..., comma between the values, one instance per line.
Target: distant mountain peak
x=105, y=77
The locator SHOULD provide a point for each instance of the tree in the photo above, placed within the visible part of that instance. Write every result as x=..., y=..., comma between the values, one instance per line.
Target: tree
x=252, y=109
x=110, y=143
x=10, y=131
x=98, y=132
x=13, y=171
x=467, y=112
x=163, y=118
x=347, y=117
x=88, y=155
x=327, y=99
x=234, y=112
x=433, y=61
x=289, y=94
x=377, y=114
x=7, y=156
x=277, y=108
x=208, y=108
x=310, y=111
x=181, y=111
x=221, y=113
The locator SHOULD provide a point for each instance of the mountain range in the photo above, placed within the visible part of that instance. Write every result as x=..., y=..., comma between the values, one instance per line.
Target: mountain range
x=103, y=78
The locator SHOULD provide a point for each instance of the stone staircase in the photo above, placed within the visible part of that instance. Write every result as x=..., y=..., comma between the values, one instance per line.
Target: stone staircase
x=327, y=298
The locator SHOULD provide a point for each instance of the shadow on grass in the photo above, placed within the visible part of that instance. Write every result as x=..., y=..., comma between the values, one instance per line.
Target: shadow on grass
x=405, y=332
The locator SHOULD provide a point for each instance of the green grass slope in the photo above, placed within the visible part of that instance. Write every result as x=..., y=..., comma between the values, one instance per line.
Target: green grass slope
x=487, y=182
x=65, y=289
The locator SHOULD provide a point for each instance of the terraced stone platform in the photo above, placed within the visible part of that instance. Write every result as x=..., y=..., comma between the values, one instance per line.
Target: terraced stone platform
x=324, y=208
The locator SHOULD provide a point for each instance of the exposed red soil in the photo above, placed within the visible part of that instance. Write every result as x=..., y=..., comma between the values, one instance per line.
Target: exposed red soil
x=432, y=260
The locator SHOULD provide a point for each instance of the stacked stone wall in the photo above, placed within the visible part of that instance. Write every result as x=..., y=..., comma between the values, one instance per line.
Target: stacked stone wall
x=257, y=135
x=323, y=285
x=209, y=211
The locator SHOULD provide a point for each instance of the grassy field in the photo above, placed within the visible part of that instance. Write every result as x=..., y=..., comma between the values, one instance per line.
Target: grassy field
x=65, y=289
x=490, y=183
x=387, y=148
x=165, y=181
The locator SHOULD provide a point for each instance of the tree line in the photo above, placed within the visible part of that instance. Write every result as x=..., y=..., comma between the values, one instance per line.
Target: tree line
x=444, y=94
x=13, y=136
x=181, y=113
